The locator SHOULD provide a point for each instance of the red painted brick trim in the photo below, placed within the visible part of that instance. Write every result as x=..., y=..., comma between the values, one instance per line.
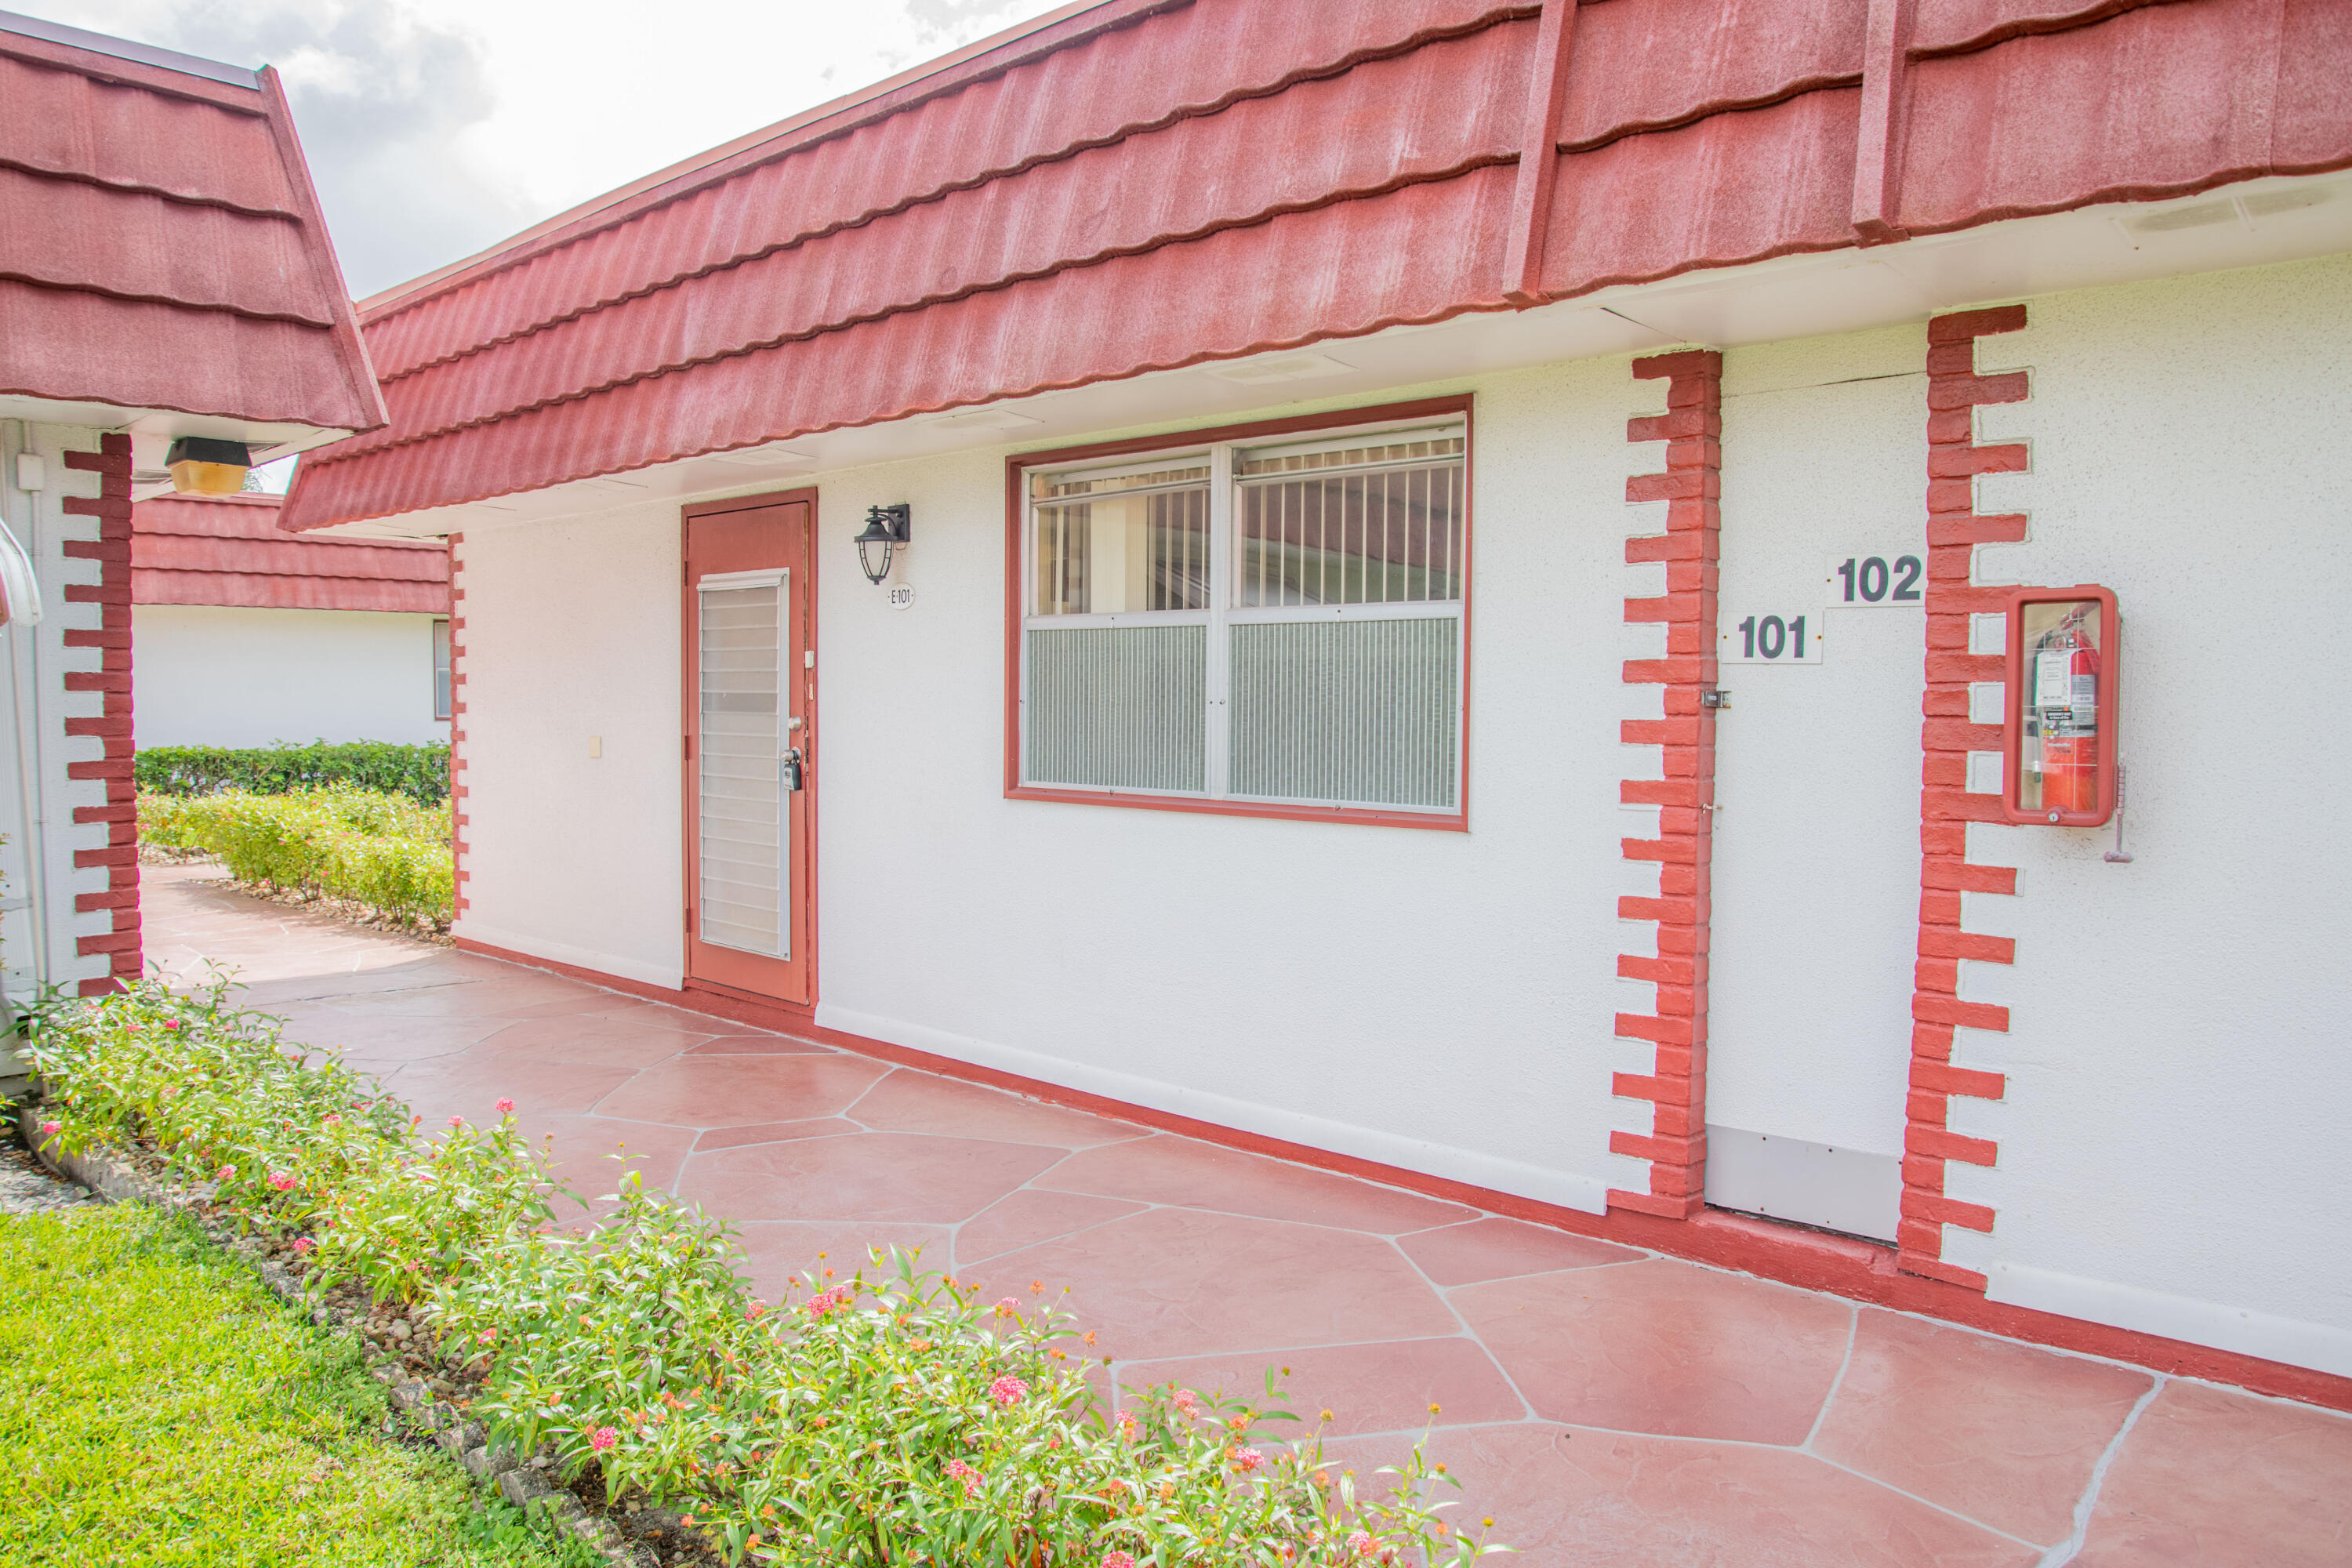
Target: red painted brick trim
x=1811, y=1259
x=113, y=728
x=1692, y=487
x=1946, y=806
x=459, y=817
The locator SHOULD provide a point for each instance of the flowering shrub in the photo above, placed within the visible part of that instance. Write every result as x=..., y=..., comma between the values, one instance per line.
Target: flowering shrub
x=383, y=850
x=290, y=1143
x=887, y=1418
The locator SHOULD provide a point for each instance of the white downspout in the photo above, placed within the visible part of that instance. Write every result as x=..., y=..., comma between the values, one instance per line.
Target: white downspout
x=23, y=716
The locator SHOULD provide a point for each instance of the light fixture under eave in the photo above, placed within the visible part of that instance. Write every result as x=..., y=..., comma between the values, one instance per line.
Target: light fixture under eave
x=201, y=466
x=886, y=528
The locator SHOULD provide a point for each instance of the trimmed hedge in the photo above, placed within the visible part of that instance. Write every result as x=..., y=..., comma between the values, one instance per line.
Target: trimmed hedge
x=420, y=773
x=383, y=850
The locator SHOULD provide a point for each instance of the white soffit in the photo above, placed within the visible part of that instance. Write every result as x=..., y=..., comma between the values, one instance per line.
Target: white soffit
x=2248, y=224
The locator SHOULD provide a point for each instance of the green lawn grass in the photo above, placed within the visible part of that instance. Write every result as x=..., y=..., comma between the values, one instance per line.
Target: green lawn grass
x=158, y=1406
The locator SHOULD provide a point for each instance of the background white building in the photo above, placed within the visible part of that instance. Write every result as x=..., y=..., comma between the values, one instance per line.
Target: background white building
x=248, y=635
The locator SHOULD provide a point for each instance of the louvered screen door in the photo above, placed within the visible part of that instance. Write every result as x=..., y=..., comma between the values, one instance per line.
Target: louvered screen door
x=750, y=695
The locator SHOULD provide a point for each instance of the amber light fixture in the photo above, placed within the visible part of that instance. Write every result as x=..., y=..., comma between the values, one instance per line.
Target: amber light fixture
x=202, y=466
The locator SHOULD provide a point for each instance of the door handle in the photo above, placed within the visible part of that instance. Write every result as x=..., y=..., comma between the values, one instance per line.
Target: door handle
x=793, y=768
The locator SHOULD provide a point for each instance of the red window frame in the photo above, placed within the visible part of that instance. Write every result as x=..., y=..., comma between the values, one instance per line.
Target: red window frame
x=1016, y=480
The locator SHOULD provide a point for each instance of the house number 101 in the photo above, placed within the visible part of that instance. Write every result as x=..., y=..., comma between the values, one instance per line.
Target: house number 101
x=1771, y=637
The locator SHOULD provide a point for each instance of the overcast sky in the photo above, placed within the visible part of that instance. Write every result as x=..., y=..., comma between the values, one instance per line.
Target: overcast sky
x=436, y=128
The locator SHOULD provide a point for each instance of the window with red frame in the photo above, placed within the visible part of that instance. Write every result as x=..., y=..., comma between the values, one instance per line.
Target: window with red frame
x=1274, y=622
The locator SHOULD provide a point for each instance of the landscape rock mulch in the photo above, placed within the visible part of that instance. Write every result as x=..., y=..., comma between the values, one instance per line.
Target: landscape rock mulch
x=432, y=1388
x=27, y=1186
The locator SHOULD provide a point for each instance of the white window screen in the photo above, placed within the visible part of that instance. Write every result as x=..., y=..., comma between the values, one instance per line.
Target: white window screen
x=742, y=851
x=1361, y=711
x=1119, y=706
x=1277, y=623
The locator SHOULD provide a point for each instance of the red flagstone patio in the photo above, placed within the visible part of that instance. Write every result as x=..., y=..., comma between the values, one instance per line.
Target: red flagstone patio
x=1605, y=1405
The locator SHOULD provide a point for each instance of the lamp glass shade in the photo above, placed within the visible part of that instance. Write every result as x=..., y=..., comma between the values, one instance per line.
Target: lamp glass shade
x=194, y=479
x=202, y=465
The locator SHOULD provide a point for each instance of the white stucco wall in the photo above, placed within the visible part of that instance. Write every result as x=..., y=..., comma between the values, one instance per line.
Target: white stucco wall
x=572, y=631
x=37, y=800
x=1816, y=880
x=210, y=675
x=2171, y=1142
x=1447, y=998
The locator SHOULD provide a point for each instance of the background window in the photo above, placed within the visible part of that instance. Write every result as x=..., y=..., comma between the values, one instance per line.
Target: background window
x=1272, y=622
x=440, y=669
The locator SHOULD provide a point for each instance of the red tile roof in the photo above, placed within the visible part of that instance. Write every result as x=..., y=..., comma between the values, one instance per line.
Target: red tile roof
x=161, y=247
x=1144, y=184
x=228, y=549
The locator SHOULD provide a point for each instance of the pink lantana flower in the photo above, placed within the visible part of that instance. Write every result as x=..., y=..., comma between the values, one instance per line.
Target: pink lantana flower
x=968, y=1476
x=226, y=1174
x=1117, y=1560
x=281, y=1181
x=488, y=1336
x=1247, y=1461
x=49, y=1128
x=603, y=1438
x=333, y=1120
x=505, y=1107
x=457, y=1121
x=1008, y=1391
x=1126, y=1425
x=1362, y=1544
x=302, y=1245
x=1187, y=1403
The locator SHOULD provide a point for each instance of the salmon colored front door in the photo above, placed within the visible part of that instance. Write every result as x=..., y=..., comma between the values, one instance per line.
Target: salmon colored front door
x=750, y=746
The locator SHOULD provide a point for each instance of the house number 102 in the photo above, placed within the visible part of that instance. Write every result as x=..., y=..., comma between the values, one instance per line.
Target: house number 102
x=1859, y=581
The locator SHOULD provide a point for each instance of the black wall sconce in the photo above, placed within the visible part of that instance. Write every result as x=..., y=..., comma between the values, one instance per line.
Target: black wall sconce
x=886, y=528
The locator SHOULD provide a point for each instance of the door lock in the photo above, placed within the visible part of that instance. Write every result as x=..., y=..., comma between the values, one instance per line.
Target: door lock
x=792, y=768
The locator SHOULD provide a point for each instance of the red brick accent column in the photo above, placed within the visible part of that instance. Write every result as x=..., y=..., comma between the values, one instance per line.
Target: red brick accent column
x=112, y=727
x=458, y=817
x=1946, y=806
x=1692, y=487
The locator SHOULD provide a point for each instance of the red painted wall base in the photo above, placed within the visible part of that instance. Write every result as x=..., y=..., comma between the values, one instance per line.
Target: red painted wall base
x=1856, y=1270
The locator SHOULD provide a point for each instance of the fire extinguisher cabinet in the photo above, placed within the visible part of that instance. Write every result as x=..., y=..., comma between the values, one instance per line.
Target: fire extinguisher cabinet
x=2059, y=729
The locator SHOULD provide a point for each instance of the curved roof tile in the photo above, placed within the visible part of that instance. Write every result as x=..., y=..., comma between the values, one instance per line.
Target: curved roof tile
x=163, y=247
x=1144, y=184
x=229, y=550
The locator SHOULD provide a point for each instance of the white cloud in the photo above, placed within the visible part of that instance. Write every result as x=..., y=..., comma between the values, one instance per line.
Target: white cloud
x=436, y=128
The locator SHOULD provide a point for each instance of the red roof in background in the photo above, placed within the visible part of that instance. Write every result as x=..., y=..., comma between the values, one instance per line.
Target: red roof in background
x=228, y=549
x=160, y=245
x=1144, y=184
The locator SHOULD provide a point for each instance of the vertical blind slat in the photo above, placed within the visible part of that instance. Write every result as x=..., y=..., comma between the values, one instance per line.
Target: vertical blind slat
x=1118, y=708
x=741, y=857
x=1363, y=713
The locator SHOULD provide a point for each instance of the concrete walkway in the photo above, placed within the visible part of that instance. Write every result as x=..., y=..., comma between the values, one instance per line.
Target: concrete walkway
x=1606, y=1405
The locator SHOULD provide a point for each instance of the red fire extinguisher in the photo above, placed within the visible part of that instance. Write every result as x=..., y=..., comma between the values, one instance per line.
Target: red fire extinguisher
x=2065, y=710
